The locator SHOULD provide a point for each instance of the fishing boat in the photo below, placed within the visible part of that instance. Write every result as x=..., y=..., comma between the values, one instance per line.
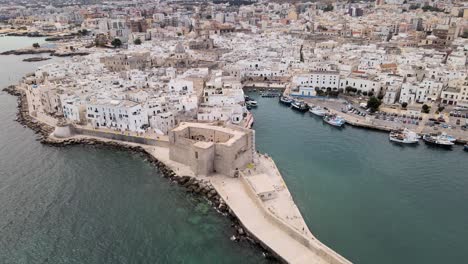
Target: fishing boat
x=299, y=105
x=437, y=140
x=286, y=100
x=334, y=120
x=251, y=103
x=318, y=111
x=404, y=136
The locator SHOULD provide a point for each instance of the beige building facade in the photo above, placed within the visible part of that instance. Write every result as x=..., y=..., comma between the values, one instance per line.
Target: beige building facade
x=210, y=149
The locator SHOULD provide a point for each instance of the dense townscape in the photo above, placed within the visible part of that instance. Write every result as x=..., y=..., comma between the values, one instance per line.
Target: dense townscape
x=153, y=65
x=176, y=78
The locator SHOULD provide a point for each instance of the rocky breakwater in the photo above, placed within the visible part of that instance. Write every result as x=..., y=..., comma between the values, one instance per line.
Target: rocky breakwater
x=27, y=51
x=34, y=59
x=23, y=117
x=51, y=52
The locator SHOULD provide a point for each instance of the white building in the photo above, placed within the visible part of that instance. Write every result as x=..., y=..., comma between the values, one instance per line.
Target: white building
x=116, y=114
x=163, y=122
x=362, y=83
x=319, y=79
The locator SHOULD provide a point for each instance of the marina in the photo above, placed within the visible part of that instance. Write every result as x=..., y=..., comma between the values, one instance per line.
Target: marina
x=362, y=190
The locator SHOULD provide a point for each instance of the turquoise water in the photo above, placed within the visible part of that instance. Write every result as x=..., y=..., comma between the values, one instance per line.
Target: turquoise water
x=87, y=205
x=368, y=199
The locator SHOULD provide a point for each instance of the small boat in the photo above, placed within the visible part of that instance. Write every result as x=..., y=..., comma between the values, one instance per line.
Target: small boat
x=285, y=100
x=448, y=137
x=437, y=140
x=251, y=103
x=334, y=120
x=465, y=147
x=404, y=136
x=318, y=111
x=299, y=106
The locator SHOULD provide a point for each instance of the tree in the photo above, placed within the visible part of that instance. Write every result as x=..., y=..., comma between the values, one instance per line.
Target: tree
x=440, y=109
x=404, y=105
x=36, y=45
x=373, y=104
x=425, y=109
x=364, y=93
x=137, y=41
x=116, y=43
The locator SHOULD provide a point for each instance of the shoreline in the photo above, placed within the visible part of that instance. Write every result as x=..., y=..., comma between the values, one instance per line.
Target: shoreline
x=198, y=187
x=358, y=122
x=50, y=52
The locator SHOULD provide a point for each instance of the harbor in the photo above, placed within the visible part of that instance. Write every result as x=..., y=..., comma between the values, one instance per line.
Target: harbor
x=341, y=111
x=349, y=176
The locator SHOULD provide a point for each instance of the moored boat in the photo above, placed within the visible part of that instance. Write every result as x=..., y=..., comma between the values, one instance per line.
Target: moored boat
x=404, y=136
x=318, y=111
x=299, y=106
x=448, y=137
x=251, y=103
x=465, y=147
x=286, y=100
x=334, y=120
x=437, y=140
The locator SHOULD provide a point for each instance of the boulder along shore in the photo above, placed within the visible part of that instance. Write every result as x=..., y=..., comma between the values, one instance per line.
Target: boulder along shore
x=198, y=187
